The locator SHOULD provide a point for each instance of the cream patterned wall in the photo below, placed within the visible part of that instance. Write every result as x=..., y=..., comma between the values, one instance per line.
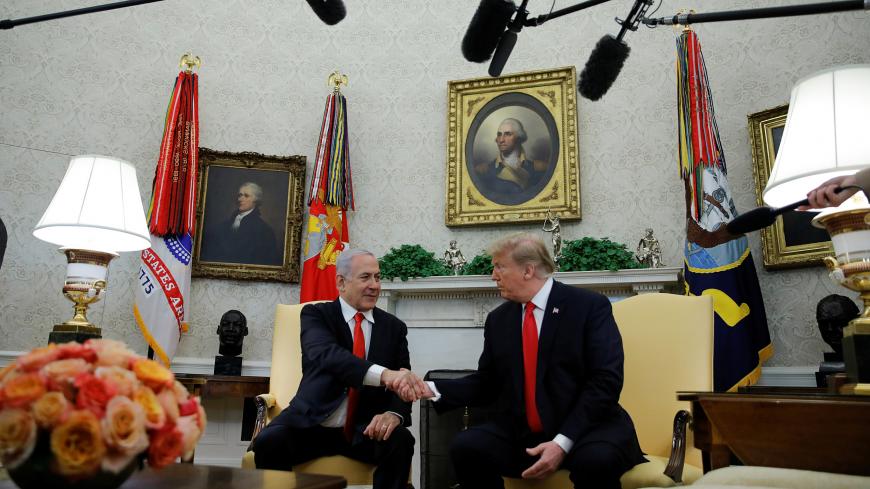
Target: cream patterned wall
x=100, y=84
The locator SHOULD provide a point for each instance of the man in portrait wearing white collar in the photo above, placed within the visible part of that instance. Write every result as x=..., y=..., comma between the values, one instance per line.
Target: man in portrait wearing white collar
x=351, y=351
x=511, y=174
x=245, y=237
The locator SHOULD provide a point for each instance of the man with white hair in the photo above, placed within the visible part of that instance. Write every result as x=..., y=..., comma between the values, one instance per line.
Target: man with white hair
x=351, y=350
x=552, y=365
x=511, y=175
x=245, y=237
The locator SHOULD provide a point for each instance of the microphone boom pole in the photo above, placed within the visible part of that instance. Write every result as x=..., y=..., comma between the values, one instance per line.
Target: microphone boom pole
x=10, y=23
x=761, y=13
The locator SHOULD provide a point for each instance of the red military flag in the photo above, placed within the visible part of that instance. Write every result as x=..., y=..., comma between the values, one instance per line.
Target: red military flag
x=163, y=278
x=330, y=196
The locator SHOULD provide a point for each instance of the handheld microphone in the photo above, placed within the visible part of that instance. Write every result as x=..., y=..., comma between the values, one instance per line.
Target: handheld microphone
x=486, y=28
x=609, y=55
x=331, y=12
x=764, y=216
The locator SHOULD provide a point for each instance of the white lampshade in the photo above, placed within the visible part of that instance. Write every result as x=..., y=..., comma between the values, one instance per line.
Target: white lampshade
x=97, y=207
x=827, y=133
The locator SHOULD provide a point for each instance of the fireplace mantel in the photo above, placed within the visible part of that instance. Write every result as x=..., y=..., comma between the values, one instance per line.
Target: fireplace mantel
x=464, y=301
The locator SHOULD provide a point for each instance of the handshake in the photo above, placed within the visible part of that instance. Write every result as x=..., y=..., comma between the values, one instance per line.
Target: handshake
x=406, y=384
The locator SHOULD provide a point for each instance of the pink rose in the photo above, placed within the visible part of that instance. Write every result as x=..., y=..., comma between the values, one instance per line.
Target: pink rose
x=62, y=373
x=38, y=357
x=111, y=352
x=76, y=350
x=169, y=404
x=123, y=380
x=124, y=433
x=190, y=433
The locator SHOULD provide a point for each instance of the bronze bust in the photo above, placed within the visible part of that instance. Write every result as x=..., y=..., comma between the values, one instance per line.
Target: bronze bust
x=833, y=313
x=232, y=331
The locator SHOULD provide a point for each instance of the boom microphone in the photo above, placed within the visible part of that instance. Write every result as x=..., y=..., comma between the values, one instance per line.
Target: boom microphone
x=606, y=60
x=331, y=12
x=764, y=216
x=486, y=28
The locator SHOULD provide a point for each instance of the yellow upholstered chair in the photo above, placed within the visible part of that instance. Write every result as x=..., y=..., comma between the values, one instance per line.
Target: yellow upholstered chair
x=286, y=373
x=668, y=342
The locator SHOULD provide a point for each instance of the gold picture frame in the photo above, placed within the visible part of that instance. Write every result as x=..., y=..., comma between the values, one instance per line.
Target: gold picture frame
x=481, y=189
x=262, y=244
x=791, y=241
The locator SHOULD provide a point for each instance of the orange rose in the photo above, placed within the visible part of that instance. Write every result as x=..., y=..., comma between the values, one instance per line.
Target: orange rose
x=17, y=437
x=93, y=394
x=49, y=409
x=166, y=445
x=123, y=432
x=6, y=371
x=155, y=417
x=77, y=445
x=153, y=374
x=22, y=390
x=38, y=357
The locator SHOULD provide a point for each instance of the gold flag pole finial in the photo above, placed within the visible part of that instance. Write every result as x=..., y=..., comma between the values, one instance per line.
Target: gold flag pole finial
x=189, y=61
x=336, y=80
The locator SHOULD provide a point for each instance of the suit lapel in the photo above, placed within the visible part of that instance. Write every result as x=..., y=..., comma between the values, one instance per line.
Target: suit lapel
x=379, y=337
x=344, y=336
x=548, y=329
x=514, y=323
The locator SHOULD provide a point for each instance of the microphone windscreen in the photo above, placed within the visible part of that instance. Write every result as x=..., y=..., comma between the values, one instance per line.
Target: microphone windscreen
x=331, y=12
x=485, y=29
x=602, y=67
x=757, y=218
x=502, y=53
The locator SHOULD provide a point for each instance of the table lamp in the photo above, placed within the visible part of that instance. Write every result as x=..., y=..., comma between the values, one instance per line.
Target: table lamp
x=96, y=213
x=827, y=134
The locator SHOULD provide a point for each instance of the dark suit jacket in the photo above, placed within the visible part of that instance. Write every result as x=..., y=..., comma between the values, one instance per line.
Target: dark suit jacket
x=329, y=368
x=579, y=372
x=254, y=242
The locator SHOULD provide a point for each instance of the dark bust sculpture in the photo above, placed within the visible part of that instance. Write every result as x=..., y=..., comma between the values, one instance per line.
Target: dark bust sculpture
x=232, y=331
x=833, y=313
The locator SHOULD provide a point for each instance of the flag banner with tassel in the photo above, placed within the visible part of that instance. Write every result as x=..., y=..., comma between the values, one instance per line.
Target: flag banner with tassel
x=330, y=196
x=163, y=280
x=717, y=263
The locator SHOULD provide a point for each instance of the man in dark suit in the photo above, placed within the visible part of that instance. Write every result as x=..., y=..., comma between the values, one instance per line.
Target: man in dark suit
x=244, y=237
x=556, y=398
x=350, y=351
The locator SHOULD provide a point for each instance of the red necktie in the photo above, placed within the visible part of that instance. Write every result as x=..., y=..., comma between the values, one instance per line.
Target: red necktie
x=359, y=349
x=530, y=362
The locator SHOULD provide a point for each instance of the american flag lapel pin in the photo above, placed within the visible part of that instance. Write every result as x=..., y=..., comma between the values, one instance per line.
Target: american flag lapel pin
x=555, y=310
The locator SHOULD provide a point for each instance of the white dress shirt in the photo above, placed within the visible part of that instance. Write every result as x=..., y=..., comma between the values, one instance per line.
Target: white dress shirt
x=540, y=302
x=238, y=221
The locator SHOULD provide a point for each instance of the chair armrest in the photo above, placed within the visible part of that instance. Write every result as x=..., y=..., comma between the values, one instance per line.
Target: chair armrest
x=263, y=402
x=674, y=470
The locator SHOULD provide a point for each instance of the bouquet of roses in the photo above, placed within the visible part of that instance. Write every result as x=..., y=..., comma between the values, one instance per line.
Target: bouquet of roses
x=79, y=410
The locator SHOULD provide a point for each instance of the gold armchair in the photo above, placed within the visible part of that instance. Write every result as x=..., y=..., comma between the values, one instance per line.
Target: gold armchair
x=668, y=343
x=286, y=373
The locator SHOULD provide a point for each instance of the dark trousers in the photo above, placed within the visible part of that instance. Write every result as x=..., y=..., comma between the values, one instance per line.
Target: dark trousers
x=483, y=454
x=280, y=447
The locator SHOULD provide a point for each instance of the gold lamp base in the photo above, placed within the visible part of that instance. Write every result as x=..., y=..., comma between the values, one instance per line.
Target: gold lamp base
x=851, y=268
x=85, y=282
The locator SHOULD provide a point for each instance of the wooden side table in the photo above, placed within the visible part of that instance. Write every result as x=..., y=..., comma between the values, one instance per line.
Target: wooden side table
x=809, y=430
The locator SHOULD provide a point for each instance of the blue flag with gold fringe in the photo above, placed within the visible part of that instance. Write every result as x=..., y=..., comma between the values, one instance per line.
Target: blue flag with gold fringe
x=717, y=263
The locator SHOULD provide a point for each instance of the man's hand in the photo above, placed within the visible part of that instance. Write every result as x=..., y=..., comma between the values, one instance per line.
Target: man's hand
x=551, y=458
x=381, y=426
x=405, y=384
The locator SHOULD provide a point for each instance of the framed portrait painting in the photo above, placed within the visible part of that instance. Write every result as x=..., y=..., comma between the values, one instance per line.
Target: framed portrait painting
x=792, y=241
x=249, y=216
x=512, y=148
